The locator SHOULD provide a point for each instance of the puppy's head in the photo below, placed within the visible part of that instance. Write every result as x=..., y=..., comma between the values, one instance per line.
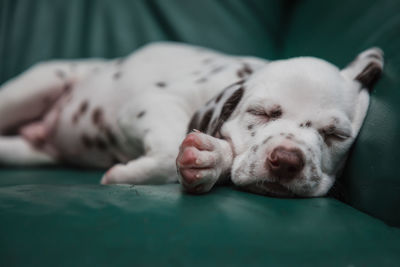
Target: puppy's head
x=295, y=122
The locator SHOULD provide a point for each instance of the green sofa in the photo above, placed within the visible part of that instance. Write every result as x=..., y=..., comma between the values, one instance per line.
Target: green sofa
x=61, y=216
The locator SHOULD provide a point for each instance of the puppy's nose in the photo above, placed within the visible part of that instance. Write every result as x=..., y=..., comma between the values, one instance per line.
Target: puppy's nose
x=285, y=163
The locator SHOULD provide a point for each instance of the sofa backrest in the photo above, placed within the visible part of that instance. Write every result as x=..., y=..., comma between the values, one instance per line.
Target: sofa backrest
x=33, y=31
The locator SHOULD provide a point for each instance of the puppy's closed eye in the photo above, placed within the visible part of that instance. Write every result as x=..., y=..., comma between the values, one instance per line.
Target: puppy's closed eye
x=272, y=114
x=333, y=133
x=275, y=113
x=257, y=112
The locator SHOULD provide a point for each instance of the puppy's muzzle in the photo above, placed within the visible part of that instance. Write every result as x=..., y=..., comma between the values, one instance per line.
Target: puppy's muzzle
x=285, y=163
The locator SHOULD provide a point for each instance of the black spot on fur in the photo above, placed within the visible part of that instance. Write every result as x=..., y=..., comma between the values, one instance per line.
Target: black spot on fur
x=266, y=140
x=244, y=71
x=206, y=120
x=249, y=127
x=308, y=124
x=247, y=69
x=117, y=75
x=141, y=114
x=217, y=69
x=253, y=134
x=228, y=108
x=60, y=74
x=255, y=148
x=83, y=107
x=86, y=141
x=98, y=116
x=67, y=88
x=208, y=60
x=201, y=80
x=100, y=143
x=240, y=73
x=161, y=84
x=370, y=75
x=80, y=112
x=219, y=97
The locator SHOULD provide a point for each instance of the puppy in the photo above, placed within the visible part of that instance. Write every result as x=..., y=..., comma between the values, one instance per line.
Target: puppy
x=281, y=128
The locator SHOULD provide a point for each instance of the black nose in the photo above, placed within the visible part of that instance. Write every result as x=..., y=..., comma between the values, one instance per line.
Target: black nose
x=285, y=163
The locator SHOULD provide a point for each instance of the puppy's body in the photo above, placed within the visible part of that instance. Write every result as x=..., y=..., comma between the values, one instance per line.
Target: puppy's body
x=137, y=110
x=107, y=108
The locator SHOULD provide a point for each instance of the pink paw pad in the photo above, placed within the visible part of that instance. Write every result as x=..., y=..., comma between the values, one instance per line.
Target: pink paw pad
x=194, y=161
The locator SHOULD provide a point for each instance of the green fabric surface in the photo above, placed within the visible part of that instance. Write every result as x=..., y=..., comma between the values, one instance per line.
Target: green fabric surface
x=337, y=31
x=92, y=225
x=33, y=31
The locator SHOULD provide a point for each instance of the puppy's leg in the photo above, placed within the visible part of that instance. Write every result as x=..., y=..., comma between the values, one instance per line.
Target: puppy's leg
x=161, y=127
x=144, y=170
x=156, y=166
x=203, y=160
x=29, y=95
x=16, y=151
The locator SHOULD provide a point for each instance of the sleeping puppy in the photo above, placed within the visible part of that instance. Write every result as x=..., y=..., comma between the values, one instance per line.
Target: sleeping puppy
x=280, y=128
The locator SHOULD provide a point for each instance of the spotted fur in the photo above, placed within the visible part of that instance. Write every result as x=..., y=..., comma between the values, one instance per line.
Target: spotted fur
x=135, y=110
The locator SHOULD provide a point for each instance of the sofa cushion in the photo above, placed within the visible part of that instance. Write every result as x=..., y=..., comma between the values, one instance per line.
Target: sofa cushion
x=56, y=221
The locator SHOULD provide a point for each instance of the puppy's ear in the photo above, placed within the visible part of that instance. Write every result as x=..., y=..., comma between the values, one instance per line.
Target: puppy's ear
x=366, y=68
x=210, y=118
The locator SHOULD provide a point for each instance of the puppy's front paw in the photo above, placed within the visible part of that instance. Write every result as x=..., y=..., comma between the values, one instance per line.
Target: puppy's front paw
x=200, y=162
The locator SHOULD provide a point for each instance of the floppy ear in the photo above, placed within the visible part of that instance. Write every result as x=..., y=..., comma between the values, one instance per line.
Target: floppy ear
x=366, y=68
x=210, y=118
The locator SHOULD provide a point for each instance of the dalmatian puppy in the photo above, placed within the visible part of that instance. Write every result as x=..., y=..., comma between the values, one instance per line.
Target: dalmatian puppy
x=280, y=128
